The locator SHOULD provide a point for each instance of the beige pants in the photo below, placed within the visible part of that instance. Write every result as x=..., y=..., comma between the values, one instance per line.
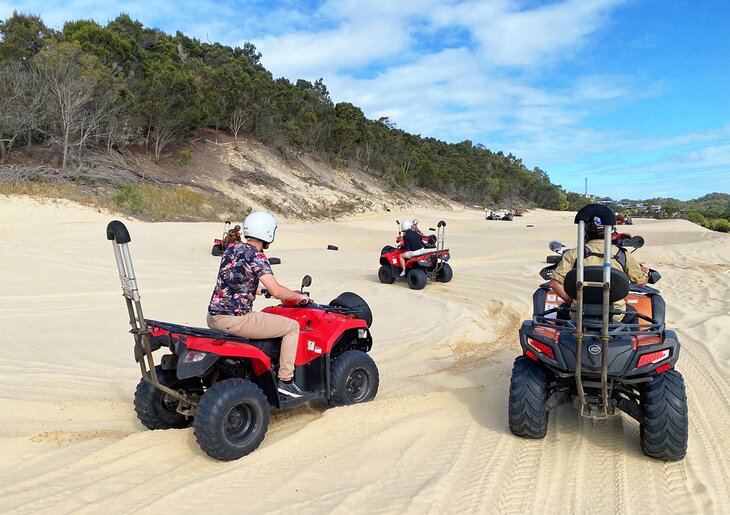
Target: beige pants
x=263, y=325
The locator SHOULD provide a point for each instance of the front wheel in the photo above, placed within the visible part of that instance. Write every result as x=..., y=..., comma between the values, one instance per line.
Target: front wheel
x=386, y=275
x=354, y=378
x=664, y=431
x=528, y=393
x=232, y=419
x=417, y=279
x=445, y=274
x=157, y=410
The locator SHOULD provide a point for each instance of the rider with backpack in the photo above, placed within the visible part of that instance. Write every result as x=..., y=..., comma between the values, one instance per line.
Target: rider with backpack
x=593, y=255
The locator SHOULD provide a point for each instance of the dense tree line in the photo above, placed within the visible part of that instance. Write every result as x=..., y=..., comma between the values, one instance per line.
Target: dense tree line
x=123, y=85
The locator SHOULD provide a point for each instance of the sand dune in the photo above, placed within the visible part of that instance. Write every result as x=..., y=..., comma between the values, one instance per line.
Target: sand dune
x=435, y=439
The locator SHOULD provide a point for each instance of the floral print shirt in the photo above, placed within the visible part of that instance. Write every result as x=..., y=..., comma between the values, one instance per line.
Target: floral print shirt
x=238, y=279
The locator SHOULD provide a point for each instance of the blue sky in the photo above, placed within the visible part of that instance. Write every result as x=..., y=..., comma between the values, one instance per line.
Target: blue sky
x=632, y=94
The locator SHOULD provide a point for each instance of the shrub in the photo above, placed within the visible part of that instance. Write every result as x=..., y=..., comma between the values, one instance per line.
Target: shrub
x=697, y=218
x=183, y=156
x=719, y=224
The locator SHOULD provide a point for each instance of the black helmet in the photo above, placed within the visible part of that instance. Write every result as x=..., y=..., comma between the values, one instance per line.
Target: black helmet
x=595, y=217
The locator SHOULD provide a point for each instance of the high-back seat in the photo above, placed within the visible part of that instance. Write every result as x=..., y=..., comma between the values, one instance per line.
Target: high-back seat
x=593, y=295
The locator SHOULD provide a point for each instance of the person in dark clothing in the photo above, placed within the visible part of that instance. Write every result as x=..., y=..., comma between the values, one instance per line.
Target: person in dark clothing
x=413, y=243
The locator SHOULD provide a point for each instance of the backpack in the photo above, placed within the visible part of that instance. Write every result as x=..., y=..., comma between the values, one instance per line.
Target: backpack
x=620, y=256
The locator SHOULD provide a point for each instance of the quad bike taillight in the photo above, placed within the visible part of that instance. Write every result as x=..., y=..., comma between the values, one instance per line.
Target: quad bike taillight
x=652, y=357
x=541, y=347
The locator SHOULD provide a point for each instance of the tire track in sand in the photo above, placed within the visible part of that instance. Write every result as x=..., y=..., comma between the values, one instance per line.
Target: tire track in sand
x=709, y=418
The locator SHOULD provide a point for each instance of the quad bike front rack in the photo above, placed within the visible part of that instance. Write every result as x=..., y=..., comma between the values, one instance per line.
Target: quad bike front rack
x=117, y=232
x=585, y=408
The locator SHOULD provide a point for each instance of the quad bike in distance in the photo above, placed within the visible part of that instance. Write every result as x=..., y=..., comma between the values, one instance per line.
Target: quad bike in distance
x=598, y=365
x=221, y=244
x=419, y=269
x=225, y=386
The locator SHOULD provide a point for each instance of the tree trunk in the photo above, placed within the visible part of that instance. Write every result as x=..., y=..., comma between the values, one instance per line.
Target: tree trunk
x=65, y=147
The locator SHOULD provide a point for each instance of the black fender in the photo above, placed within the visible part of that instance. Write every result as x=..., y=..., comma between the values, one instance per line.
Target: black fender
x=349, y=339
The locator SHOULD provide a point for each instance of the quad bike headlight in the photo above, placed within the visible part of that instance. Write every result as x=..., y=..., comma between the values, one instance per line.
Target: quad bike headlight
x=193, y=356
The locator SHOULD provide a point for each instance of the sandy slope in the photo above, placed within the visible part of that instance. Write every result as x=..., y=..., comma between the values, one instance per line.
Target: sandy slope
x=435, y=439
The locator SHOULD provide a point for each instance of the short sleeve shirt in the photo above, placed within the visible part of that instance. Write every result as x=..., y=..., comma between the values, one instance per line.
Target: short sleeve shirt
x=633, y=268
x=238, y=279
x=412, y=240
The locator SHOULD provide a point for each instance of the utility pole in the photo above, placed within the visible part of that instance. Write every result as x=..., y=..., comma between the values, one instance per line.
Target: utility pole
x=586, y=193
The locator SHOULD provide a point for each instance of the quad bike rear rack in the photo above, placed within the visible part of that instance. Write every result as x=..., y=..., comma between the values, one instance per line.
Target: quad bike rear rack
x=118, y=234
x=440, y=245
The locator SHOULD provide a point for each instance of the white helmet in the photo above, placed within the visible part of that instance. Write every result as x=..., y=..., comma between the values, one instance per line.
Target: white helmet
x=260, y=225
x=414, y=222
x=405, y=225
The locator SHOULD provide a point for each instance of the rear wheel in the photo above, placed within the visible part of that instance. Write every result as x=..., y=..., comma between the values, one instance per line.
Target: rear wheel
x=157, y=410
x=354, y=378
x=216, y=250
x=528, y=393
x=232, y=419
x=354, y=301
x=417, y=279
x=386, y=275
x=664, y=431
x=445, y=274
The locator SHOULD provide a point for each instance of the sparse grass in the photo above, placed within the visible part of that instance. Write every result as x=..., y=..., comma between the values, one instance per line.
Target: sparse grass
x=340, y=208
x=145, y=201
x=183, y=156
x=52, y=191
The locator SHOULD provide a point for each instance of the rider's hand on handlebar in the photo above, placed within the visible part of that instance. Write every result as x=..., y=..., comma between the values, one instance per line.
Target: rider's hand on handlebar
x=645, y=269
x=303, y=299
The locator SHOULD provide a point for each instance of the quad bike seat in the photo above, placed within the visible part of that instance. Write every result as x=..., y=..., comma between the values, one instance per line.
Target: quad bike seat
x=593, y=295
x=270, y=346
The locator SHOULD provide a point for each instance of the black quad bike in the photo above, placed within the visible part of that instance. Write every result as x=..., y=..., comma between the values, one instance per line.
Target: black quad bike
x=419, y=269
x=579, y=355
x=225, y=386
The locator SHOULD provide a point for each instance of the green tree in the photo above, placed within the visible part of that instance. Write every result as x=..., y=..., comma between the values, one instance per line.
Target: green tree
x=23, y=36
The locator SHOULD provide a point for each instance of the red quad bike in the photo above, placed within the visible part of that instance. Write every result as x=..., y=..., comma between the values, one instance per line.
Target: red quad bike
x=219, y=244
x=225, y=386
x=419, y=269
x=599, y=365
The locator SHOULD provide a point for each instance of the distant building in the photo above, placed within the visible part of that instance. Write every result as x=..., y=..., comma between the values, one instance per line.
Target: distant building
x=655, y=208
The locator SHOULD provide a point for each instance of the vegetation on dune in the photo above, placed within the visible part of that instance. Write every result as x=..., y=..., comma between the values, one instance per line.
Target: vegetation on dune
x=120, y=86
x=711, y=211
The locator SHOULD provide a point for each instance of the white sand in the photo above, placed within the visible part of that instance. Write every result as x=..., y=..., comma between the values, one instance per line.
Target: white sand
x=434, y=440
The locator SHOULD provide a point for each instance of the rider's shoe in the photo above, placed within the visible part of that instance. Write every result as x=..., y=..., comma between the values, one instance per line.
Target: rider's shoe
x=289, y=389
